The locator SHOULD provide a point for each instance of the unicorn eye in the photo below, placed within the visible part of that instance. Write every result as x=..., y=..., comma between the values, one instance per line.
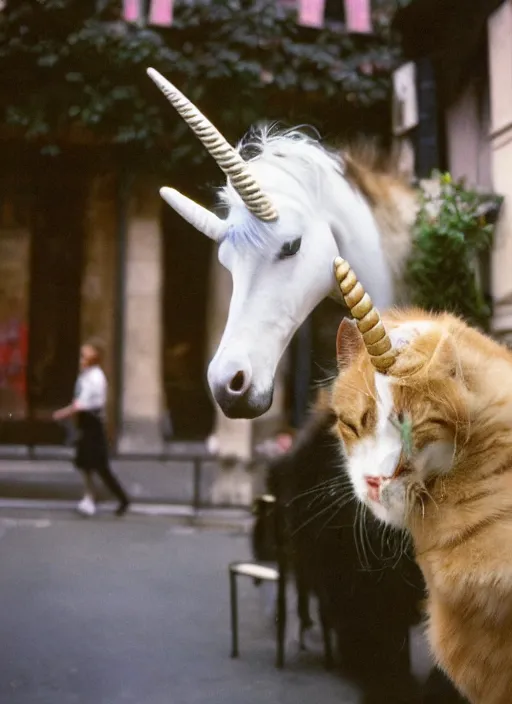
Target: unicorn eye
x=289, y=249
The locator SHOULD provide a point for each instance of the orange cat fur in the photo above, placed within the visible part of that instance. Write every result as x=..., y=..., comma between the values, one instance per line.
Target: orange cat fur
x=452, y=490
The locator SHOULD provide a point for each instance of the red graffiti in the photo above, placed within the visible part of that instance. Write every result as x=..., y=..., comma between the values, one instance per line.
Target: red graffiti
x=13, y=357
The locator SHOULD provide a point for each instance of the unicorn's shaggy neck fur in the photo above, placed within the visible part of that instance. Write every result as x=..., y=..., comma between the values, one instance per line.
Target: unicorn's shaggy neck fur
x=306, y=180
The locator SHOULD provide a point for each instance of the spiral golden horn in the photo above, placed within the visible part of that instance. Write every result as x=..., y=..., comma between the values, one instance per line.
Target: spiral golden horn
x=226, y=156
x=368, y=319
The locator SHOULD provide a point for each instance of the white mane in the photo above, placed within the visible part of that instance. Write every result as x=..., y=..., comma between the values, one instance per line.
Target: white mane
x=293, y=168
x=307, y=181
x=305, y=159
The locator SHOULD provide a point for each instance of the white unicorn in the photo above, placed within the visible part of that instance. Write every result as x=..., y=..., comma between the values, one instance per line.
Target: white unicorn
x=293, y=206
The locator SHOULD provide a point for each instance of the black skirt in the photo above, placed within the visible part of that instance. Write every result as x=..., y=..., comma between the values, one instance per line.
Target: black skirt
x=91, y=445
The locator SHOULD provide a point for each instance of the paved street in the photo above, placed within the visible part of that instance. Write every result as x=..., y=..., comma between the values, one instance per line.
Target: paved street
x=136, y=611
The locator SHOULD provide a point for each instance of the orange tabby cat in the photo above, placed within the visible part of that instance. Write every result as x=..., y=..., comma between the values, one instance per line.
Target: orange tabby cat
x=428, y=441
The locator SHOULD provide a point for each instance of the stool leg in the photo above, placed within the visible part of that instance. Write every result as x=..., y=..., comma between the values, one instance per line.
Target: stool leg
x=234, y=614
x=281, y=622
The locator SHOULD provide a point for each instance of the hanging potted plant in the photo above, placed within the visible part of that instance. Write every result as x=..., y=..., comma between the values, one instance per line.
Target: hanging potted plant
x=452, y=240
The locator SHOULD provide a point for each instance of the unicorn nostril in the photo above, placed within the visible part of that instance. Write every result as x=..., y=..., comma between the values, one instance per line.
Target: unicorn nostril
x=237, y=383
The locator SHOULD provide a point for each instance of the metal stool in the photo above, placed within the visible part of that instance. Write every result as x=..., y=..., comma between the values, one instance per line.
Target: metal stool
x=262, y=573
x=258, y=572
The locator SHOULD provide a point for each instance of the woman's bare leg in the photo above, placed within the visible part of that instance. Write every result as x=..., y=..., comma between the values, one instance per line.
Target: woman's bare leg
x=87, y=506
x=89, y=485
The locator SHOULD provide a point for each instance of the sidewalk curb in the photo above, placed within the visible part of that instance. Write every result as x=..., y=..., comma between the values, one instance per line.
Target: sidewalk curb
x=224, y=519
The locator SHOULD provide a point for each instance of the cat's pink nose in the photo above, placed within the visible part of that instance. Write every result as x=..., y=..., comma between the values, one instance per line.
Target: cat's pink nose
x=373, y=487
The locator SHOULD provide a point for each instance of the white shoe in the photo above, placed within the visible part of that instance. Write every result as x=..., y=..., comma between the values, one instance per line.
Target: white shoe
x=212, y=444
x=86, y=507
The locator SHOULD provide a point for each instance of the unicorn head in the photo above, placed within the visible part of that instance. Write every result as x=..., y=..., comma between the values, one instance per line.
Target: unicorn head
x=283, y=229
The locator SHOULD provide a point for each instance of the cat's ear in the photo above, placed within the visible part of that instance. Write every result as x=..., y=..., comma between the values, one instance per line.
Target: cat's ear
x=446, y=359
x=349, y=343
x=431, y=351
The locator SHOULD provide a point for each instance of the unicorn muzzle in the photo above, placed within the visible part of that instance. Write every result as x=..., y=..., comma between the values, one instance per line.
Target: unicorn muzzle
x=231, y=382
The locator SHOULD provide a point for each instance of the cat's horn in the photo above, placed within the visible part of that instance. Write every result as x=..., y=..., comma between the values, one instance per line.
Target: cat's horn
x=368, y=320
x=226, y=156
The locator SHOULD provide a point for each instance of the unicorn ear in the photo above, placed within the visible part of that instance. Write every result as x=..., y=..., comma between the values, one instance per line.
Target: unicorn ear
x=202, y=219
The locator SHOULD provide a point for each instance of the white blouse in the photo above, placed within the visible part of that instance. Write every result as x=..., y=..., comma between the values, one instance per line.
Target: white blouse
x=91, y=389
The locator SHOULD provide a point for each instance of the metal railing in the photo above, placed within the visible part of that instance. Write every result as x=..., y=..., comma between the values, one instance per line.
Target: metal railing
x=195, y=459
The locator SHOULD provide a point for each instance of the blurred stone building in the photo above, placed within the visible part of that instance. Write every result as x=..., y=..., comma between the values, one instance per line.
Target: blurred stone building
x=458, y=66
x=80, y=255
x=86, y=250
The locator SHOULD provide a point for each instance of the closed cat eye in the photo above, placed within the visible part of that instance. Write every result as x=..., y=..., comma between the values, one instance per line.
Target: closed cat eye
x=349, y=426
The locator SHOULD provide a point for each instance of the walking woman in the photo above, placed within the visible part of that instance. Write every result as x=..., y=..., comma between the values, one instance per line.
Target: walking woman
x=88, y=406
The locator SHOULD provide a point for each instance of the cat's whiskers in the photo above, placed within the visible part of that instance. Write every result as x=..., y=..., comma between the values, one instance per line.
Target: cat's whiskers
x=386, y=529
x=331, y=370
x=364, y=527
x=366, y=535
x=335, y=505
x=325, y=381
x=359, y=508
x=391, y=542
x=413, y=495
x=401, y=549
x=337, y=508
x=359, y=536
x=324, y=486
x=388, y=539
x=429, y=495
x=339, y=491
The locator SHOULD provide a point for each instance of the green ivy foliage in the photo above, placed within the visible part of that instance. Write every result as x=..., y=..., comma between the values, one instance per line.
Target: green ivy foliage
x=74, y=68
x=450, y=236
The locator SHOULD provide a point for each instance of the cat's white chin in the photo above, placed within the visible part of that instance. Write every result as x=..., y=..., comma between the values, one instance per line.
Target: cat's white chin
x=392, y=508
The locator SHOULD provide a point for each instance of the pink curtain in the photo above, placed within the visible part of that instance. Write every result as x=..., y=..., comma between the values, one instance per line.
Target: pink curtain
x=161, y=12
x=358, y=15
x=131, y=10
x=311, y=12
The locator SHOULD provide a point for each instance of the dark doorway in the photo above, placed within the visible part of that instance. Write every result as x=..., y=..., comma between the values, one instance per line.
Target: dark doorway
x=187, y=256
x=56, y=266
x=41, y=241
x=15, y=239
